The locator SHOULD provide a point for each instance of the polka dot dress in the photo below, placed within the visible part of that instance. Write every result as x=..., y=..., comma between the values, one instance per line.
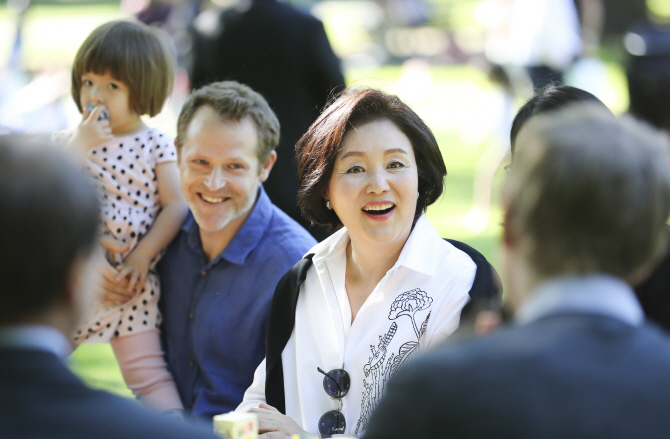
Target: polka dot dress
x=123, y=170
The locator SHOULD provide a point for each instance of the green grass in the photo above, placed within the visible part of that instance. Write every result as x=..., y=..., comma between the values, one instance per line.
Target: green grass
x=96, y=364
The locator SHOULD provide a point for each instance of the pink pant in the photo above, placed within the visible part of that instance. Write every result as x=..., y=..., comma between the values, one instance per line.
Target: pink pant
x=144, y=370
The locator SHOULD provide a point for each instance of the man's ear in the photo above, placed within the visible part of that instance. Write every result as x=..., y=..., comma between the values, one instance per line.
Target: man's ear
x=83, y=281
x=507, y=236
x=267, y=166
x=177, y=148
x=72, y=284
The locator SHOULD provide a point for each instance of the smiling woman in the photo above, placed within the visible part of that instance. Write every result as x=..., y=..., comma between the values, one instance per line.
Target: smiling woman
x=368, y=166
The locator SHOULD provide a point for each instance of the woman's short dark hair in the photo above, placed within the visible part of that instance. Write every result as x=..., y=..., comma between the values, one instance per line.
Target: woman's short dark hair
x=551, y=97
x=318, y=148
x=133, y=53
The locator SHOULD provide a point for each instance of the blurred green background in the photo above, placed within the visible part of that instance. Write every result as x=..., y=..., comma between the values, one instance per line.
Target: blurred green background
x=435, y=67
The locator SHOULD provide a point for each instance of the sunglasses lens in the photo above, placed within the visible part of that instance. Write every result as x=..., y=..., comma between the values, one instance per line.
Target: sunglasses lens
x=331, y=423
x=339, y=385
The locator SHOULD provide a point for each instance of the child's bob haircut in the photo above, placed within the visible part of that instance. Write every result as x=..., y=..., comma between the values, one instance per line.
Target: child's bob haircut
x=133, y=53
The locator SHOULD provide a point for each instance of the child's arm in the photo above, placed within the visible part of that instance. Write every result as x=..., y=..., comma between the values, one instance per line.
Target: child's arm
x=164, y=229
x=89, y=133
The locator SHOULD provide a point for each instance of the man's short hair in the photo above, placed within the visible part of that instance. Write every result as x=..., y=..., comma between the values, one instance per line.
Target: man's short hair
x=133, y=53
x=589, y=193
x=233, y=101
x=48, y=217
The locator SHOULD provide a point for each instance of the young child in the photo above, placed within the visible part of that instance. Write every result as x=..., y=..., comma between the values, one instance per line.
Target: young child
x=124, y=70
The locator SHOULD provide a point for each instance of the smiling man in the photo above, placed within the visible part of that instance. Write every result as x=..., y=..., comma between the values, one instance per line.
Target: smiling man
x=219, y=274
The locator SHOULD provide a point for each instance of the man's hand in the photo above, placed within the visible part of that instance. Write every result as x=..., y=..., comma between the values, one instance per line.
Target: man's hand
x=273, y=425
x=114, y=288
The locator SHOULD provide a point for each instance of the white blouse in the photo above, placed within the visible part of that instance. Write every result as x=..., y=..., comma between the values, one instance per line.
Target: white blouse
x=415, y=305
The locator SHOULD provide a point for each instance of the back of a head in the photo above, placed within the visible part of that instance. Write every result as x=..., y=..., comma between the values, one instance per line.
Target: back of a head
x=589, y=193
x=549, y=98
x=48, y=217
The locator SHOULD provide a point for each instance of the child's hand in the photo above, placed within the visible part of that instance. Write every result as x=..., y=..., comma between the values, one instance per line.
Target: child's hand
x=135, y=268
x=91, y=131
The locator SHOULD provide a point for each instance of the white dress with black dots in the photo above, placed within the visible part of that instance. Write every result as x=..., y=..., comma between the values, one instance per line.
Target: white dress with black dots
x=124, y=170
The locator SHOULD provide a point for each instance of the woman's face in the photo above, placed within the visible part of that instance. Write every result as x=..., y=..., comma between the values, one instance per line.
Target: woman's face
x=374, y=186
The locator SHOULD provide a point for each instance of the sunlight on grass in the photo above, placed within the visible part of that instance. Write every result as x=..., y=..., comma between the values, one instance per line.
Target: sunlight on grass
x=96, y=364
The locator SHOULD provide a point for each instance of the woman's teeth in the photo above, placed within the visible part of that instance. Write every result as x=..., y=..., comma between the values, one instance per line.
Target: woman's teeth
x=379, y=208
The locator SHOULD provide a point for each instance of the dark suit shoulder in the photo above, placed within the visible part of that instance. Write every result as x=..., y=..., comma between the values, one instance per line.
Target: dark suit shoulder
x=42, y=398
x=561, y=376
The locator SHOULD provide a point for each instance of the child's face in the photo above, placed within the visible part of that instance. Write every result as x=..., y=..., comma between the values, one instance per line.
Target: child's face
x=113, y=94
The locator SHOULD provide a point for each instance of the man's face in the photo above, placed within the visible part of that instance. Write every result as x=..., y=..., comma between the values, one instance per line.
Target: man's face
x=220, y=170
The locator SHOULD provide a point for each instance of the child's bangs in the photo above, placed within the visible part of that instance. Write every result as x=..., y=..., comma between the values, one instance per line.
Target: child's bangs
x=111, y=59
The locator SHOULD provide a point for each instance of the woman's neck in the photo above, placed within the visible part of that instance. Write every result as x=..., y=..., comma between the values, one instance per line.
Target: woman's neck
x=371, y=261
x=367, y=264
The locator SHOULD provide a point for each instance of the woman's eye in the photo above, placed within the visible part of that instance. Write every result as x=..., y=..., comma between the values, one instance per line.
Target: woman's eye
x=87, y=82
x=113, y=86
x=355, y=170
x=200, y=162
x=396, y=165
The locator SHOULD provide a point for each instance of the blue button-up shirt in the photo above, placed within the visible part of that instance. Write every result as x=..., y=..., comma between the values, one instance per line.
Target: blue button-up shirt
x=215, y=314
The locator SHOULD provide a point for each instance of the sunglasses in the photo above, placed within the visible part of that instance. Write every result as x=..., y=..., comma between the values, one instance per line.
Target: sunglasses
x=336, y=383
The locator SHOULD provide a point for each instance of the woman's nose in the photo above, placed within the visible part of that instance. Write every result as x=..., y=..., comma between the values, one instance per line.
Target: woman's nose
x=215, y=180
x=377, y=183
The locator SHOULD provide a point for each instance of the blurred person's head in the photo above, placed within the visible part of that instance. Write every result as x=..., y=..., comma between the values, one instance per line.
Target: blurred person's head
x=130, y=53
x=648, y=72
x=49, y=225
x=320, y=148
x=226, y=136
x=589, y=194
x=549, y=98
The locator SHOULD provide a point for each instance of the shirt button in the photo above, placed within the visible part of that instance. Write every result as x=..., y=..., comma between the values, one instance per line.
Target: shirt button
x=191, y=362
x=190, y=316
x=203, y=272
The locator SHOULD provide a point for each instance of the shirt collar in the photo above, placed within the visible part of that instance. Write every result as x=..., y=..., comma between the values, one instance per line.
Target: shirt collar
x=246, y=238
x=418, y=254
x=592, y=294
x=39, y=337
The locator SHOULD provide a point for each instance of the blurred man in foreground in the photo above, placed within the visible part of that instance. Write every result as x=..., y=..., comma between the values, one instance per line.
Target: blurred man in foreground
x=48, y=265
x=585, y=210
